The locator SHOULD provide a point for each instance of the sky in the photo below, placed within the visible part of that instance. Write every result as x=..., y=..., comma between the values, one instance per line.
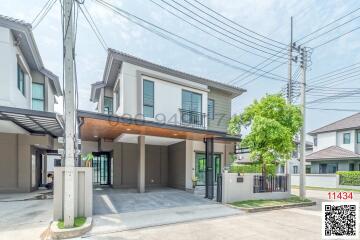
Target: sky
x=270, y=18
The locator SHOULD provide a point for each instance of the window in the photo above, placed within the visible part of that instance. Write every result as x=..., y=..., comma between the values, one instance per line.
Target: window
x=358, y=137
x=332, y=168
x=21, y=79
x=38, y=97
x=308, y=169
x=148, y=99
x=191, y=111
x=351, y=167
x=346, y=138
x=315, y=141
x=211, y=109
x=295, y=169
x=108, y=105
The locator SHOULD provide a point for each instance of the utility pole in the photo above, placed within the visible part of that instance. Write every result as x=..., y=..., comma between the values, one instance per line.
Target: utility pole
x=69, y=113
x=303, y=65
x=289, y=89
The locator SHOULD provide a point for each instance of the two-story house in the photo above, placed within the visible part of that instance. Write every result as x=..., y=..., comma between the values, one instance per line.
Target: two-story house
x=152, y=122
x=28, y=124
x=336, y=146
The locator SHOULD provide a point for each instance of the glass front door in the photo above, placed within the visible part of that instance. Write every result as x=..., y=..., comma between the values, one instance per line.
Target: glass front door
x=101, y=168
x=200, y=167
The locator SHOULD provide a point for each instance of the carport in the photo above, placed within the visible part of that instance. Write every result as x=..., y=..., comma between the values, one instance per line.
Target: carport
x=110, y=130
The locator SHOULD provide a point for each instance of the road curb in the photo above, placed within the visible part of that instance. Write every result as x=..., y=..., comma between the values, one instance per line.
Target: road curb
x=57, y=233
x=262, y=209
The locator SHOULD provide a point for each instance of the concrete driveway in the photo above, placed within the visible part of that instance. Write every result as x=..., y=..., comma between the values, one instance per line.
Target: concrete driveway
x=23, y=216
x=118, y=210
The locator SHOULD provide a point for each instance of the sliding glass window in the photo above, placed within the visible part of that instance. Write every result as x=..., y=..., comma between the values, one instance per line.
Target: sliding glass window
x=38, y=97
x=148, y=98
x=108, y=105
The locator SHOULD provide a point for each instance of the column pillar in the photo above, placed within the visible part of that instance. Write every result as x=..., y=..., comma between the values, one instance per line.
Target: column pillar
x=141, y=166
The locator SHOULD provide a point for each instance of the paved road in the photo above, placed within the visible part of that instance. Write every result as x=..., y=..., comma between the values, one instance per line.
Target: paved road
x=24, y=219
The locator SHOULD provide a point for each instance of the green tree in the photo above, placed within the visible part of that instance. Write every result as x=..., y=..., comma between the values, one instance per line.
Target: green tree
x=274, y=124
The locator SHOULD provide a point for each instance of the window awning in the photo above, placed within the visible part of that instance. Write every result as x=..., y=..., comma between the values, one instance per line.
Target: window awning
x=37, y=122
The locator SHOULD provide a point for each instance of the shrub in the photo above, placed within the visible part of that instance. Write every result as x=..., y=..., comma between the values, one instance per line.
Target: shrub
x=252, y=168
x=351, y=178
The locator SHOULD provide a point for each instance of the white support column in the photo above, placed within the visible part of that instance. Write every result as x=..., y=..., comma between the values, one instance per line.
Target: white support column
x=69, y=114
x=141, y=171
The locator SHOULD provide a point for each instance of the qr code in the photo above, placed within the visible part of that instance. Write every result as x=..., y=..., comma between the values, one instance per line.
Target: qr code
x=340, y=220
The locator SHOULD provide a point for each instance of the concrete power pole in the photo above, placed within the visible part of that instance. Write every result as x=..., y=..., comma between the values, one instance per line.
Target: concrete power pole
x=303, y=65
x=289, y=89
x=69, y=113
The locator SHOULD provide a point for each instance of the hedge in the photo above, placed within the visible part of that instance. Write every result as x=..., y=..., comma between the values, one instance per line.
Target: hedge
x=351, y=178
x=252, y=168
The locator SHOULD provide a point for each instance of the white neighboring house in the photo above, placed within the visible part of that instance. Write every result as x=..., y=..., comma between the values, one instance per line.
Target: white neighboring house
x=28, y=124
x=243, y=157
x=336, y=146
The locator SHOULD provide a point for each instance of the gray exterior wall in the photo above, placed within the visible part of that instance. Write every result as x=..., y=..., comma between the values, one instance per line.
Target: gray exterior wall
x=125, y=165
x=222, y=110
x=177, y=165
x=15, y=161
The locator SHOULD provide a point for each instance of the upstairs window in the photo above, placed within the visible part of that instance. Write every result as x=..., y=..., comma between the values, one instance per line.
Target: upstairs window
x=191, y=101
x=346, y=138
x=108, y=105
x=38, y=97
x=21, y=79
x=148, y=99
x=358, y=137
x=211, y=109
x=295, y=169
x=315, y=141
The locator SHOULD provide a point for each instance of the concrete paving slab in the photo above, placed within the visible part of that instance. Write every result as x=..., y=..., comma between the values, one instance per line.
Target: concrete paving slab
x=119, y=210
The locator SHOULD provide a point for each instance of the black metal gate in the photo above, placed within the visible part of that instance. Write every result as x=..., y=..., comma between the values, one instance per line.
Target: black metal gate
x=209, y=174
x=101, y=168
x=219, y=188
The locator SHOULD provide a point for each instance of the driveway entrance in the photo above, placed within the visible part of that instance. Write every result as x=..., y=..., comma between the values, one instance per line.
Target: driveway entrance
x=119, y=210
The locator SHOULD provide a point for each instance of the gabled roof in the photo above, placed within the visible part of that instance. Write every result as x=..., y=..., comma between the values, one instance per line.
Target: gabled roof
x=332, y=153
x=22, y=31
x=115, y=59
x=350, y=122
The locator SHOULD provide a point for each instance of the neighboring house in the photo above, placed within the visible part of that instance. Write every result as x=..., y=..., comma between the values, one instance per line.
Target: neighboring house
x=28, y=126
x=243, y=157
x=152, y=123
x=336, y=146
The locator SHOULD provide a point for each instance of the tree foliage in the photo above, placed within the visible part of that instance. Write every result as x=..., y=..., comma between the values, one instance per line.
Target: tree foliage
x=273, y=123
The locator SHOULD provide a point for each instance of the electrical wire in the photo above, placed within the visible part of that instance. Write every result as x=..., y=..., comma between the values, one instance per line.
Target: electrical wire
x=46, y=11
x=131, y=18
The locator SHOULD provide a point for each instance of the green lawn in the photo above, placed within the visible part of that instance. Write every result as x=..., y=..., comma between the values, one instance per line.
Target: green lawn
x=269, y=203
x=78, y=222
x=329, y=189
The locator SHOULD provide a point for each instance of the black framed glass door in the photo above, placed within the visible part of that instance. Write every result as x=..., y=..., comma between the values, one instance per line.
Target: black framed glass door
x=200, y=167
x=101, y=168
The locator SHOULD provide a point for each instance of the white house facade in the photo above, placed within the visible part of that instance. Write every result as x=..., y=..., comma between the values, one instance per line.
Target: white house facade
x=336, y=146
x=28, y=125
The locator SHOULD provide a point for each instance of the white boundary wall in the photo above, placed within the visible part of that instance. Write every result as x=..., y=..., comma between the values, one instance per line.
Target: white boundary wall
x=317, y=180
x=83, y=192
x=234, y=191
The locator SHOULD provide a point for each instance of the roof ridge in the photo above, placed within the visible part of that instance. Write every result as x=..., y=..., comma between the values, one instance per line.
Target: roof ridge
x=20, y=21
x=172, y=69
x=315, y=130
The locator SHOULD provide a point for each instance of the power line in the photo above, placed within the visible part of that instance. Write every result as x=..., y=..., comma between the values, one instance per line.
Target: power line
x=332, y=29
x=334, y=71
x=335, y=38
x=334, y=109
x=130, y=17
x=207, y=32
x=237, y=24
x=41, y=10
x=93, y=26
x=332, y=22
x=250, y=44
x=43, y=15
